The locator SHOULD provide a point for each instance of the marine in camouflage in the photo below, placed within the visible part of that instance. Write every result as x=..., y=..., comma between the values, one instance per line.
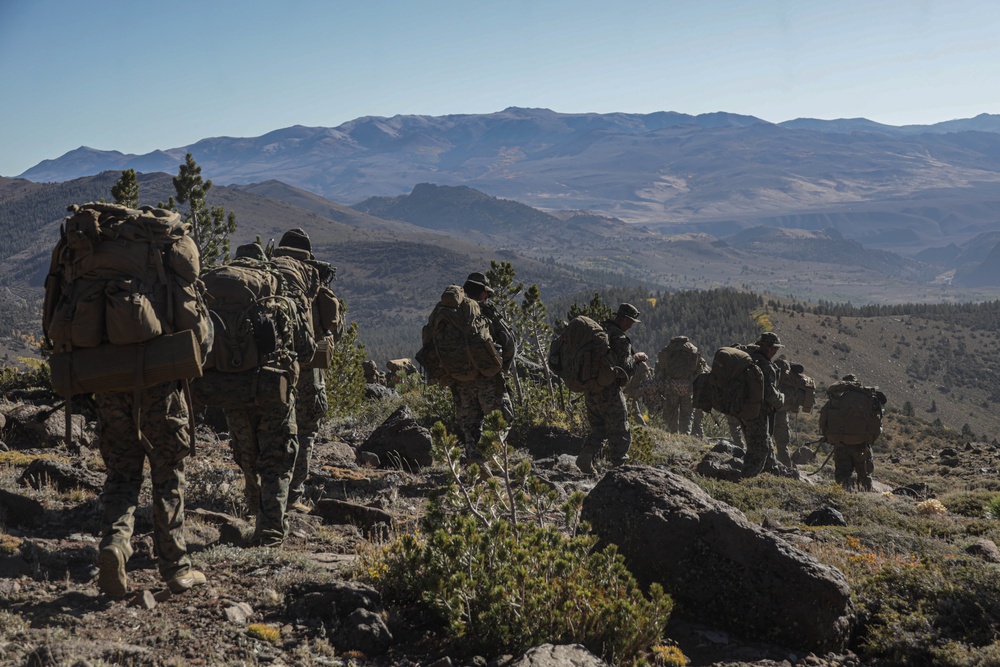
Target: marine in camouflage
x=164, y=421
x=848, y=459
x=474, y=399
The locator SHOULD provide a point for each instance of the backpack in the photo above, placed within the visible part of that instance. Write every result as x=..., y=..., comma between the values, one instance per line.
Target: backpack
x=799, y=389
x=302, y=284
x=734, y=386
x=456, y=341
x=124, y=308
x=328, y=327
x=502, y=334
x=581, y=357
x=852, y=415
x=678, y=360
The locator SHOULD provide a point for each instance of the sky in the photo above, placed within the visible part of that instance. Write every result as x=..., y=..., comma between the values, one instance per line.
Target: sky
x=139, y=75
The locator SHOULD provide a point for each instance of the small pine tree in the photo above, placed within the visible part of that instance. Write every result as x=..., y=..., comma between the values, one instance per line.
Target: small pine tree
x=126, y=190
x=210, y=227
x=345, y=378
x=595, y=310
x=908, y=410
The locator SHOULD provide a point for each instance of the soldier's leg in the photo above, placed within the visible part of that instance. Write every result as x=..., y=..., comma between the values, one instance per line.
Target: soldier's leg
x=595, y=437
x=123, y=458
x=671, y=405
x=781, y=438
x=864, y=465
x=276, y=431
x=469, y=415
x=310, y=407
x=843, y=465
x=698, y=423
x=758, y=455
x=243, y=442
x=618, y=429
x=685, y=406
x=507, y=405
x=165, y=421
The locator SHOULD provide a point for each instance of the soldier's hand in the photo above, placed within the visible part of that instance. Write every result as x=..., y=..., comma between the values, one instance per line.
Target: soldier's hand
x=640, y=356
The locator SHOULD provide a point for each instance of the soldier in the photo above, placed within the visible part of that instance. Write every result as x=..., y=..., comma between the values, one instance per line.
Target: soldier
x=477, y=287
x=852, y=429
x=125, y=443
x=676, y=368
x=759, y=455
x=796, y=388
x=311, y=402
x=698, y=416
x=607, y=411
x=476, y=398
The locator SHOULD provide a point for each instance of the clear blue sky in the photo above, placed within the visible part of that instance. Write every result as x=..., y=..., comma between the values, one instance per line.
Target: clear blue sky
x=137, y=75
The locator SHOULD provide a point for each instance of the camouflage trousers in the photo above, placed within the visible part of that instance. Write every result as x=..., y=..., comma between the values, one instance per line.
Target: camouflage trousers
x=735, y=431
x=264, y=446
x=163, y=418
x=848, y=459
x=759, y=455
x=311, y=404
x=607, y=413
x=474, y=400
x=677, y=406
x=698, y=423
x=782, y=437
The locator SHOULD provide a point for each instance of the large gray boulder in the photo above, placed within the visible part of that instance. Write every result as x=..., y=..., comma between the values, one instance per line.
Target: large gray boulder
x=42, y=426
x=724, y=570
x=563, y=655
x=400, y=442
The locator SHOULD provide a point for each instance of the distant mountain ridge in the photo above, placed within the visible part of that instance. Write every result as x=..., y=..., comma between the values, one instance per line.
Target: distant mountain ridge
x=719, y=172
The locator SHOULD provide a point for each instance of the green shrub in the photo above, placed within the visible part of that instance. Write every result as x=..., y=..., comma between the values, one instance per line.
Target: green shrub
x=38, y=375
x=502, y=579
x=993, y=508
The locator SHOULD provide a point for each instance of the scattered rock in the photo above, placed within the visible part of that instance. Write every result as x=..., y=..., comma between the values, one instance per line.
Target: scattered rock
x=549, y=655
x=20, y=510
x=915, y=490
x=721, y=567
x=378, y=392
x=334, y=606
x=63, y=476
x=33, y=426
x=720, y=466
x=985, y=549
x=825, y=516
x=365, y=631
x=726, y=447
x=238, y=613
x=144, y=600
x=342, y=511
x=231, y=530
x=545, y=441
x=948, y=452
x=368, y=459
x=400, y=442
x=803, y=456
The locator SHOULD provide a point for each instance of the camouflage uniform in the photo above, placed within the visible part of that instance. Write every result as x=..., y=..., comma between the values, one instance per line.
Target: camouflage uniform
x=736, y=431
x=311, y=404
x=503, y=336
x=265, y=449
x=850, y=458
x=759, y=455
x=781, y=435
x=474, y=399
x=163, y=420
x=607, y=411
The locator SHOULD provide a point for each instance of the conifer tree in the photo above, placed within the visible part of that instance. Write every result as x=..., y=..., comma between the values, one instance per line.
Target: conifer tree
x=210, y=227
x=126, y=190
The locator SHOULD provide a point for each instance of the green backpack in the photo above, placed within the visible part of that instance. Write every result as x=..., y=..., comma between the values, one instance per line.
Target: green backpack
x=734, y=386
x=456, y=342
x=581, y=357
x=852, y=415
x=678, y=360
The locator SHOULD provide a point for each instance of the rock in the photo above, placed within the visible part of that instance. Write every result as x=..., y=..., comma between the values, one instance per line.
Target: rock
x=803, y=456
x=3, y=420
x=378, y=392
x=825, y=516
x=231, y=530
x=948, y=452
x=238, y=613
x=400, y=442
x=19, y=510
x=364, y=631
x=720, y=466
x=144, y=600
x=336, y=453
x=726, y=447
x=342, y=511
x=723, y=569
x=35, y=426
x=545, y=441
x=985, y=549
x=4, y=447
x=915, y=490
x=367, y=459
x=63, y=476
x=549, y=655
x=330, y=602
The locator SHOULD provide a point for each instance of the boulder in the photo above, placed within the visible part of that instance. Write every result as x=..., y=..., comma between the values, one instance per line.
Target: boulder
x=723, y=569
x=350, y=613
x=63, y=476
x=400, y=442
x=342, y=511
x=985, y=549
x=38, y=426
x=719, y=465
x=825, y=516
x=378, y=392
x=549, y=655
x=803, y=456
x=19, y=510
x=545, y=441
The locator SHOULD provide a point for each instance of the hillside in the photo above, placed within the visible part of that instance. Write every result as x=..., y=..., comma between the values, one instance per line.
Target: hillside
x=901, y=189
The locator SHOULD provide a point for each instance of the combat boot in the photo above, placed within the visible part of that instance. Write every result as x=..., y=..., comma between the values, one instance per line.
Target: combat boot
x=111, y=577
x=585, y=461
x=185, y=580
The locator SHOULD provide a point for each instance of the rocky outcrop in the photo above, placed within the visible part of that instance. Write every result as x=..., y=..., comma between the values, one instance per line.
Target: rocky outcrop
x=350, y=613
x=545, y=441
x=549, y=655
x=38, y=426
x=720, y=567
x=400, y=442
x=62, y=476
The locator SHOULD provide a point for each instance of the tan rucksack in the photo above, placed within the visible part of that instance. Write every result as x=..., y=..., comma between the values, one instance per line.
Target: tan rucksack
x=124, y=307
x=581, y=357
x=852, y=414
x=455, y=343
x=302, y=284
x=679, y=360
x=734, y=386
x=799, y=389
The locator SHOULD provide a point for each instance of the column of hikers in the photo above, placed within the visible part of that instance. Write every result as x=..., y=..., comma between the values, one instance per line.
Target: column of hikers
x=131, y=317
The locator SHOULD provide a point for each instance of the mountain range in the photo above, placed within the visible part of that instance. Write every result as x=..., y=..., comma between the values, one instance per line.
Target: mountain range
x=904, y=189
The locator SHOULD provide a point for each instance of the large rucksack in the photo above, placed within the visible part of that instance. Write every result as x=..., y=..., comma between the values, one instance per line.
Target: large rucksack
x=255, y=333
x=456, y=342
x=581, y=357
x=799, y=389
x=301, y=283
x=327, y=317
x=734, y=386
x=678, y=360
x=852, y=415
x=124, y=307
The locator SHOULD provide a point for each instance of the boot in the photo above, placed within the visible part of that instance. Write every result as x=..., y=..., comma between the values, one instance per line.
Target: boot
x=111, y=572
x=585, y=461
